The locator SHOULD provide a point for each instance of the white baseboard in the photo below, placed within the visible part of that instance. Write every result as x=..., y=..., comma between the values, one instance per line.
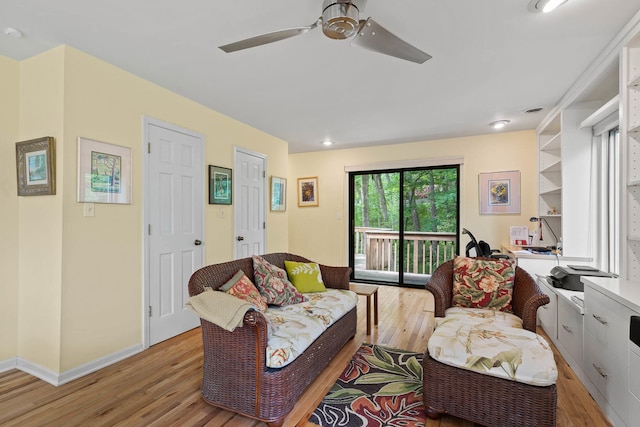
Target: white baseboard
x=75, y=373
x=7, y=365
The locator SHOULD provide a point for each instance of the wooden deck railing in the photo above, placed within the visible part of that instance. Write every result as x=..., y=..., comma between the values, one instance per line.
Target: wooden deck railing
x=423, y=251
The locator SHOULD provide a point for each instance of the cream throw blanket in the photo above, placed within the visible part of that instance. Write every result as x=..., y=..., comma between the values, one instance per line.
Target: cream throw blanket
x=219, y=308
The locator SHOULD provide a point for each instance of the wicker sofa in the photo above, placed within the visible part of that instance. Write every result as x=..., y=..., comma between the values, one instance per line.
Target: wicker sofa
x=235, y=376
x=480, y=398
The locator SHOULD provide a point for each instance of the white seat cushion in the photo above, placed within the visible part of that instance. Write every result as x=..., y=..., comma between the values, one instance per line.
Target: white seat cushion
x=296, y=326
x=492, y=343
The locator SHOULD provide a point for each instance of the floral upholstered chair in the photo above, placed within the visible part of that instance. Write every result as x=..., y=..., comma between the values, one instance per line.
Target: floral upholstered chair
x=484, y=362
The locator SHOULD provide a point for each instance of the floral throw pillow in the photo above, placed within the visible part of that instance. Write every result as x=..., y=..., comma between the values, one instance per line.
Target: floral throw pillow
x=305, y=276
x=240, y=286
x=482, y=283
x=272, y=283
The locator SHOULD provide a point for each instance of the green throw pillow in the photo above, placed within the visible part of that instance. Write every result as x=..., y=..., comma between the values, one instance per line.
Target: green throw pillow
x=305, y=276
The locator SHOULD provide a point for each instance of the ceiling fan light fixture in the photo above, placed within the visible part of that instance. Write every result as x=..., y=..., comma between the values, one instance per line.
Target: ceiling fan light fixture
x=339, y=19
x=499, y=124
x=544, y=6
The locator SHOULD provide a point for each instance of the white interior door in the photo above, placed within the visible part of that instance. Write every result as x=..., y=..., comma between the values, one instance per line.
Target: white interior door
x=249, y=197
x=175, y=227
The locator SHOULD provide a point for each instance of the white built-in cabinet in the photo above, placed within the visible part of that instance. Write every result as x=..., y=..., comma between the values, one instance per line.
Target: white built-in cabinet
x=594, y=339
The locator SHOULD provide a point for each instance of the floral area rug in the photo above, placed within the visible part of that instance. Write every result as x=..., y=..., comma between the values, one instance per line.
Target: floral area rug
x=380, y=387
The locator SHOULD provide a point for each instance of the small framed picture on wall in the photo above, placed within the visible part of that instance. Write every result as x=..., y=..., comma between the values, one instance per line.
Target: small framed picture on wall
x=220, y=186
x=278, y=194
x=308, y=191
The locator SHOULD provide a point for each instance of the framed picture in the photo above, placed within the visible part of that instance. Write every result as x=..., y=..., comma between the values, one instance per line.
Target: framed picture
x=278, y=194
x=499, y=192
x=220, y=188
x=308, y=191
x=36, y=167
x=104, y=172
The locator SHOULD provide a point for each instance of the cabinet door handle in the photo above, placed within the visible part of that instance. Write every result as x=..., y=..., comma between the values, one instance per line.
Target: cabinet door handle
x=599, y=319
x=568, y=329
x=600, y=371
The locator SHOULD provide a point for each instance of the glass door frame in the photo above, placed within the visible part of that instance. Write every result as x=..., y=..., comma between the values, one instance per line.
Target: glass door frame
x=401, y=228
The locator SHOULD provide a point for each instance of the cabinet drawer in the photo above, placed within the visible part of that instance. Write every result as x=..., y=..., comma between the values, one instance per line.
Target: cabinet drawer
x=607, y=322
x=606, y=373
x=634, y=383
x=548, y=313
x=570, y=329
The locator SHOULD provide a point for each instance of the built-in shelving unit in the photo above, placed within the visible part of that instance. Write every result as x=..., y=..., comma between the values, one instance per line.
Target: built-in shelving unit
x=563, y=187
x=630, y=141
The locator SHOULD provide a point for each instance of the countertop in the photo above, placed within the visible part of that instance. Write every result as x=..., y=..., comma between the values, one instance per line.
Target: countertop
x=518, y=252
x=624, y=292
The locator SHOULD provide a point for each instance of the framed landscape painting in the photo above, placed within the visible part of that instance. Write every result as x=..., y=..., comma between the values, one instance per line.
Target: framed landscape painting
x=104, y=172
x=220, y=185
x=36, y=167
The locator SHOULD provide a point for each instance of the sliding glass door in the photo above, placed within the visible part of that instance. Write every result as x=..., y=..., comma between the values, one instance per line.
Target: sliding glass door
x=404, y=223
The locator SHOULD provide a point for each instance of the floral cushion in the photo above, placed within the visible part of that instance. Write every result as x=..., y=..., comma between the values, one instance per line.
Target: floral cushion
x=477, y=315
x=241, y=287
x=305, y=276
x=482, y=283
x=272, y=283
x=494, y=345
x=296, y=326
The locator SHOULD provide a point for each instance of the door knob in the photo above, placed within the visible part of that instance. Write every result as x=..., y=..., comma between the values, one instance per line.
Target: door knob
x=197, y=242
x=239, y=238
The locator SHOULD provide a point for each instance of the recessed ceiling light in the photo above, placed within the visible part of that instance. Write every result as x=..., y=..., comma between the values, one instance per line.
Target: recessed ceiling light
x=544, y=6
x=12, y=32
x=499, y=124
x=327, y=142
x=533, y=110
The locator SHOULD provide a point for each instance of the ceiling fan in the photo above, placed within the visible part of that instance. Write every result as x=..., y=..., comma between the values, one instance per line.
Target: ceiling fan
x=340, y=20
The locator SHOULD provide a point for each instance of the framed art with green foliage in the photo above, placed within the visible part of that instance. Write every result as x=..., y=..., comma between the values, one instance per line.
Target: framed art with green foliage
x=104, y=172
x=220, y=186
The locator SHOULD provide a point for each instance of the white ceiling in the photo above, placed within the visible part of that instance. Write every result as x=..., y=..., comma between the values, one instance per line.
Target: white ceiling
x=492, y=60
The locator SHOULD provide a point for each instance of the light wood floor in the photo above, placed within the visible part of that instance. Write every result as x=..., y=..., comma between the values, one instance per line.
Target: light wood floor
x=160, y=386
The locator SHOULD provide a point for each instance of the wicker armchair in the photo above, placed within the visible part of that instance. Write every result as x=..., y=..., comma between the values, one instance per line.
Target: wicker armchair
x=481, y=398
x=526, y=296
x=235, y=375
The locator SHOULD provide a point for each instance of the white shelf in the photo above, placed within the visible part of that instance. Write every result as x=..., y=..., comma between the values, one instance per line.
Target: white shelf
x=634, y=83
x=634, y=128
x=553, y=144
x=633, y=183
x=633, y=238
x=557, y=190
x=553, y=167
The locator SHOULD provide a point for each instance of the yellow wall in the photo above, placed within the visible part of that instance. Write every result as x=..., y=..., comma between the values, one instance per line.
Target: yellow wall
x=9, y=70
x=318, y=234
x=79, y=279
x=40, y=217
x=81, y=286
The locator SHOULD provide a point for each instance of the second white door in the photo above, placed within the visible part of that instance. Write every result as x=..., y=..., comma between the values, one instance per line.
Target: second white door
x=249, y=198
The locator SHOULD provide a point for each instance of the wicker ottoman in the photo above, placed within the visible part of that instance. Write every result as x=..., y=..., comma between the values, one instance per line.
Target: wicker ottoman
x=485, y=399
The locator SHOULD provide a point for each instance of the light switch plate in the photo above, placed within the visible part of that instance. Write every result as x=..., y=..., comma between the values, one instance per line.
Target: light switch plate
x=89, y=209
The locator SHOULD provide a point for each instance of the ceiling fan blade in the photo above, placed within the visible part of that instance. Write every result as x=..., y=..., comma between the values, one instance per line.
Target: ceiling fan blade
x=267, y=38
x=374, y=37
